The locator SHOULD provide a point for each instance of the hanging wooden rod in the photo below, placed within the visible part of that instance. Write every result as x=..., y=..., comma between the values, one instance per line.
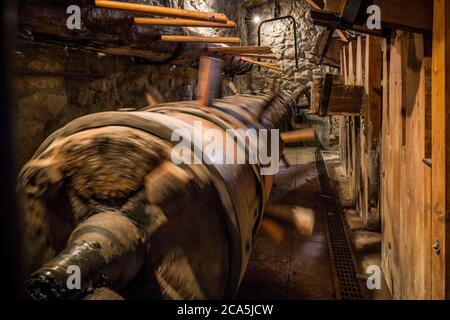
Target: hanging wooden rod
x=262, y=64
x=175, y=38
x=243, y=49
x=255, y=55
x=162, y=11
x=183, y=23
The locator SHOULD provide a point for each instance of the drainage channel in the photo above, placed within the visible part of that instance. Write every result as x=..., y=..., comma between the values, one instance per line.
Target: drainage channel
x=346, y=281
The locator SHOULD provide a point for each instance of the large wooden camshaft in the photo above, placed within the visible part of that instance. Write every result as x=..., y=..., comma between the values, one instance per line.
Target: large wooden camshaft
x=104, y=194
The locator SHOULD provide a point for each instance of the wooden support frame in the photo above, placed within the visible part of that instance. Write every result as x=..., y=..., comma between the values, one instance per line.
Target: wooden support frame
x=405, y=179
x=408, y=15
x=329, y=97
x=372, y=116
x=328, y=49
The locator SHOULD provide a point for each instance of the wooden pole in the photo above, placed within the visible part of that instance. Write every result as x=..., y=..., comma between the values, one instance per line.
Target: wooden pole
x=241, y=49
x=210, y=78
x=233, y=88
x=183, y=23
x=297, y=136
x=153, y=96
x=162, y=11
x=175, y=38
x=273, y=229
x=262, y=64
x=373, y=111
x=255, y=55
x=302, y=218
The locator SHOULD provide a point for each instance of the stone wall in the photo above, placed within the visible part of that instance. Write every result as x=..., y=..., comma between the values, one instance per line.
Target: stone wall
x=279, y=35
x=55, y=84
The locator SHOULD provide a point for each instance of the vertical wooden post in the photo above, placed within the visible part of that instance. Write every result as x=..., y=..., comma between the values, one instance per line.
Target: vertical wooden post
x=441, y=151
x=345, y=64
x=373, y=77
x=360, y=166
x=352, y=67
x=342, y=125
x=386, y=217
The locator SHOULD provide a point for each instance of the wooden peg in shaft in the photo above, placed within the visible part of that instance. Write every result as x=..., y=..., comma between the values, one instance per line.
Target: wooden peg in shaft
x=210, y=79
x=233, y=88
x=297, y=136
x=153, y=96
x=302, y=218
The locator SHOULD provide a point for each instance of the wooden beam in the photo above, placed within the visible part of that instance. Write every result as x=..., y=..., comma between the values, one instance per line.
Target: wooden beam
x=255, y=55
x=176, y=38
x=409, y=15
x=241, y=49
x=360, y=61
x=182, y=22
x=320, y=5
x=345, y=64
x=349, y=13
x=297, y=136
x=341, y=100
x=345, y=100
x=441, y=151
x=332, y=20
x=262, y=64
x=162, y=11
x=352, y=63
x=327, y=49
x=372, y=115
x=335, y=5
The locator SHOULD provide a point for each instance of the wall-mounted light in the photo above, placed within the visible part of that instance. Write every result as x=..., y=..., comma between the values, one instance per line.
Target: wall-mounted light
x=256, y=19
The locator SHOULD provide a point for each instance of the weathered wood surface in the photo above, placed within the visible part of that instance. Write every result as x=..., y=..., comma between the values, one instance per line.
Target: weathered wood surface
x=162, y=11
x=406, y=220
x=343, y=99
x=372, y=131
x=440, y=151
x=327, y=50
x=410, y=15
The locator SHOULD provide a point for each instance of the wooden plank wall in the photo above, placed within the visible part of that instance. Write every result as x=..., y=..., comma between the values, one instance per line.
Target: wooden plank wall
x=396, y=154
x=405, y=204
x=384, y=151
x=360, y=136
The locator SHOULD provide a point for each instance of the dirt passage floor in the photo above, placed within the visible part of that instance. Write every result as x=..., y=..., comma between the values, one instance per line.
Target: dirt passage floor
x=299, y=267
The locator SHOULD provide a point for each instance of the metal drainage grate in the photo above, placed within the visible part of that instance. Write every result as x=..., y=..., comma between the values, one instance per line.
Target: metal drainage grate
x=347, y=284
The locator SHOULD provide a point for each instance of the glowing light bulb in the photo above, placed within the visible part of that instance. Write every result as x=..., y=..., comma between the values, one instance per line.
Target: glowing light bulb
x=256, y=19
